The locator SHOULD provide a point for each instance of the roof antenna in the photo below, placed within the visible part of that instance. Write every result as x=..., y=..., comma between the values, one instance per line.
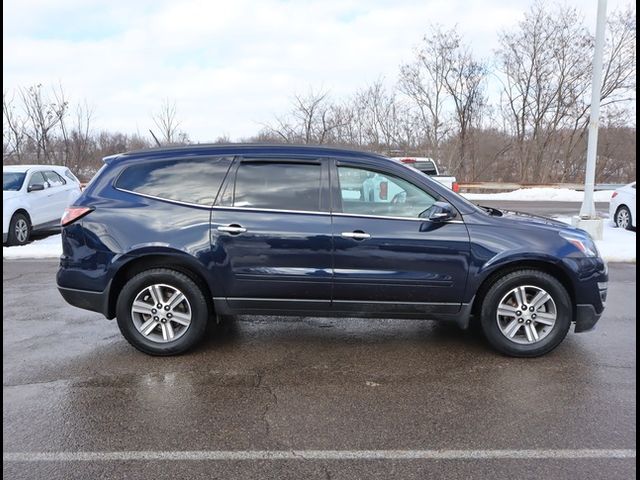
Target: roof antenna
x=154, y=137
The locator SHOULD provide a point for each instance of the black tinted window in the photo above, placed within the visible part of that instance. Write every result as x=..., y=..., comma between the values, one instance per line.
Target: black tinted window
x=193, y=181
x=280, y=186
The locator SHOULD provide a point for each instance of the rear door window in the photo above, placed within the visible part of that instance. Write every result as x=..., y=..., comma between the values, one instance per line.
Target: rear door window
x=195, y=181
x=278, y=186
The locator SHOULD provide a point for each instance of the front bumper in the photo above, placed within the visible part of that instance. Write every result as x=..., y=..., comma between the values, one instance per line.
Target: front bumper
x=586, y=318
x=86, y=299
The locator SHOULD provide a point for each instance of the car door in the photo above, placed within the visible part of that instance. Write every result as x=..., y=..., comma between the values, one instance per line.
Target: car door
x=37, y=200
x=57, y=196
x=271, y=231
x=387, y=258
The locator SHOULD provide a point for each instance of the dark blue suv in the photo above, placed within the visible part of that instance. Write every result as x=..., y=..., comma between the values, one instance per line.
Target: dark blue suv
x=167, y=240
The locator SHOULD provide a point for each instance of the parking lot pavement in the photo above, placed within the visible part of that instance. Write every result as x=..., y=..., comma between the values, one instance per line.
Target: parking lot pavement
x=371, y=391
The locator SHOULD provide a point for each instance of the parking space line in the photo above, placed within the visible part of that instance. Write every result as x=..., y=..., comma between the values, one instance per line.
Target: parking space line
x=235, y=455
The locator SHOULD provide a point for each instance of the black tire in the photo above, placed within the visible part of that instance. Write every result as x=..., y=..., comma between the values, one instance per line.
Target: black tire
x=619, y=219
x=13, y=237
x=200, y=312
x=501, y=287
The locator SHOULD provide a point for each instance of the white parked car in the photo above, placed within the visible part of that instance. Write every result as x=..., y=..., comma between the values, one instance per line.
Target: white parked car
x=34, y=198
x=622, y=207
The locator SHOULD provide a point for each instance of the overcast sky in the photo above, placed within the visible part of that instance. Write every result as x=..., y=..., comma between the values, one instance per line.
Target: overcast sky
x=230, y=66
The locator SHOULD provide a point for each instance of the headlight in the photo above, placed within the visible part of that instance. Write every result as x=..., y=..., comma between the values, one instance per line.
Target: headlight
x=582, y=242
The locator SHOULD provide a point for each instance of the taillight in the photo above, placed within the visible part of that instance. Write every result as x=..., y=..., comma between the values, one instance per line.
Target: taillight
x=408, y=160
x=455, y=187
x=614, y=194
x=71, y=214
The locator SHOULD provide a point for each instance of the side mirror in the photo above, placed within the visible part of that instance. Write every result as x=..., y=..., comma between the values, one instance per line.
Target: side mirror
x=439, y=212
x=35, y=187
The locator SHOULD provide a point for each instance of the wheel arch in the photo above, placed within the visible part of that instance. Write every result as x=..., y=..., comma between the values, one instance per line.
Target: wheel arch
x=545, y=266
x=24, y=212
x=625, y=206
x=177, y=261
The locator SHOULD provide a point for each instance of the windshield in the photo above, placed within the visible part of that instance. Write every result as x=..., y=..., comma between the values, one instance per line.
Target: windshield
x=12, y=181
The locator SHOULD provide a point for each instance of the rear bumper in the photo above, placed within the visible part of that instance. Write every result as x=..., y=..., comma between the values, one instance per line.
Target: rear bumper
x=86, y=299
x=586, y=318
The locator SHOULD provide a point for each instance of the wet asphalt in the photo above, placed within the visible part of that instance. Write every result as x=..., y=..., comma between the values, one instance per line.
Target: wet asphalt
x=72, y=383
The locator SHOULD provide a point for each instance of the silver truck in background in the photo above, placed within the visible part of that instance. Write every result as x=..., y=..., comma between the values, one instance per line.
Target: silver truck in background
x=429, y=167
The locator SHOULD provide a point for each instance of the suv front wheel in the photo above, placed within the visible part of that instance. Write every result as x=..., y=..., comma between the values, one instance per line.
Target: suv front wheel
x=162, y=312
x=526, y=313
x=19, y=230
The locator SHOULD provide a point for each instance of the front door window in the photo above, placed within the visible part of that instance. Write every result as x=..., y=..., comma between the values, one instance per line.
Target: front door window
x=367, y=192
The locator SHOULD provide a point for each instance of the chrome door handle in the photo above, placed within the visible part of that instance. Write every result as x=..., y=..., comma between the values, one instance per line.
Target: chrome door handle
x=233, y=229
x=355, y=235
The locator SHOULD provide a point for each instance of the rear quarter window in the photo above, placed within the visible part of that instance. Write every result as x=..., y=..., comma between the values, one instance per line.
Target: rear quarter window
x=71, y=176
x=54, y=179
x=194, y=181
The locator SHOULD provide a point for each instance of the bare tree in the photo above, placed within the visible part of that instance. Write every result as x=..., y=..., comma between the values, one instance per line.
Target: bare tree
x=13, y=125
x=312, y=119
x=424, y=82
x=81, y=141
x=166, y=119
x=43, y=115
x=464, y=83
x=546, y=75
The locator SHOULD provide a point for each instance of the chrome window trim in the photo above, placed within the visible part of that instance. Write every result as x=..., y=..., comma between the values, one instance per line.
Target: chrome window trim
x=391, y=218
x=178, y=202
x=256, y=209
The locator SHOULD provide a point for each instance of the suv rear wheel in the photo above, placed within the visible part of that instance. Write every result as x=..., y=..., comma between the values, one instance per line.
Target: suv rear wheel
x=623, y=218
x=526, y=313
x=162, y=312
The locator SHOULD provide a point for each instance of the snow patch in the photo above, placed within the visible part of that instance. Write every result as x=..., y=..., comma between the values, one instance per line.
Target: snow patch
x=541, y=194
x=50, y=247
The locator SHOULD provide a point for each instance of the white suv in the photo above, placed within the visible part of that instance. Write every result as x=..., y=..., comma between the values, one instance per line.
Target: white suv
x=34, y=198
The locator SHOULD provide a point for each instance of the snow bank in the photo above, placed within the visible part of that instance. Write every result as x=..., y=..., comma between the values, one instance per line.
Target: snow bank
x=617, y=245
x=50, y=247
x=541, y=194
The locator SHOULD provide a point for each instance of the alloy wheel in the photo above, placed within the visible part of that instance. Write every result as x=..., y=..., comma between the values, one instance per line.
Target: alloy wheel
x=526, y=314
x=161, y=313
x=622, y=218
x=21, y=230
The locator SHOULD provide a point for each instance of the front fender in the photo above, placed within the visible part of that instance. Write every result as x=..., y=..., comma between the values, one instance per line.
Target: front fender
x=518, y=259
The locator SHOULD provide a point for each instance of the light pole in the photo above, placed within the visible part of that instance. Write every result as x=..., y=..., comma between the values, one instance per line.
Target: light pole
x=588, y=218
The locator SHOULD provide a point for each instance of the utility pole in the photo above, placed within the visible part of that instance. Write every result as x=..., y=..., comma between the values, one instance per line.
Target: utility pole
x=588, y=219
